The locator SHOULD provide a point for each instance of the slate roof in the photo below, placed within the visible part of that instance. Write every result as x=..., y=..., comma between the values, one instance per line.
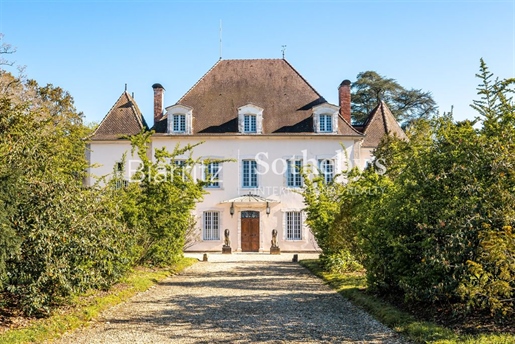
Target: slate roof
x=379, y=123
x=124, y=118
x=272, y=84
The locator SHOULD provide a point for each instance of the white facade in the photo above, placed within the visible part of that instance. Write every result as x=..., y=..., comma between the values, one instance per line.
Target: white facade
x=272, y=154
x=269, y=122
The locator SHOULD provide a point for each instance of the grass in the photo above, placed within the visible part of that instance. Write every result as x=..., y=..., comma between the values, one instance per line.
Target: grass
x=353, y=285
x=85, y=308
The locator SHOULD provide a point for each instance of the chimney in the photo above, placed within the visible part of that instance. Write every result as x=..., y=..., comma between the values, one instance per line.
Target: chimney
x=344, y=97
x=159, y=95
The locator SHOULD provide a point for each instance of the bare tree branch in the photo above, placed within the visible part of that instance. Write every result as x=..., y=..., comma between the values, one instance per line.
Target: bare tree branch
x=8, y=49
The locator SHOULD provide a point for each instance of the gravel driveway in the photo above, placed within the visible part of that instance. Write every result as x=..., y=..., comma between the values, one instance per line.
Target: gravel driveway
x=237, y=299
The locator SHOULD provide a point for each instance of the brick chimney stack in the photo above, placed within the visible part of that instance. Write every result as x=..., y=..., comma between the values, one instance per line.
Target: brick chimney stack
x=159, y=95
x=344, y=98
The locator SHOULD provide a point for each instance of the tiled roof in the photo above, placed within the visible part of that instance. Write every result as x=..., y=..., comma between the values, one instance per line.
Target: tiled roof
x=124, y=118
x=379, y=123
x=272, y=84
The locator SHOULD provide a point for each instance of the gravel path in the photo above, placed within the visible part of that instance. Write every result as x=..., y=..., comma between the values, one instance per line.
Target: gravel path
x=237, y=299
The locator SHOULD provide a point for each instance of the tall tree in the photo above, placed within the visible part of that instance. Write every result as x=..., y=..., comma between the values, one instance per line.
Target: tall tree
x=406, y=104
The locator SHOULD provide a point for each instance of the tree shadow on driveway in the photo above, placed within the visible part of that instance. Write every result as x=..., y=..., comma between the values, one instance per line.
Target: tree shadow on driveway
x=250, y=302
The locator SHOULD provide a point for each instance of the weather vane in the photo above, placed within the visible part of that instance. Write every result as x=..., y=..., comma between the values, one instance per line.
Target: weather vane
x=283, y=50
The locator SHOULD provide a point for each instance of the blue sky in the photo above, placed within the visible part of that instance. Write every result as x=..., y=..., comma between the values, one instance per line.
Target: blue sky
x=92, y=48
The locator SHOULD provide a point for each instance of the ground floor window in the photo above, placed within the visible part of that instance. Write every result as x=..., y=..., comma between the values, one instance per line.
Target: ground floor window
x=293, y=225
x=211, y=225
x=121, y=183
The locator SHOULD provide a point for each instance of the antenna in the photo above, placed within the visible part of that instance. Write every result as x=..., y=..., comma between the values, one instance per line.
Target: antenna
x=125, y=87
x=220, y=39
x=283, y=50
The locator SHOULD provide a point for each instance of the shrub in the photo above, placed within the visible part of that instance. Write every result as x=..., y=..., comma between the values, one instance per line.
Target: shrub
x=159, y=209
x=71, y=241
x=340, y=262
x=441, y=229
x=443, y=232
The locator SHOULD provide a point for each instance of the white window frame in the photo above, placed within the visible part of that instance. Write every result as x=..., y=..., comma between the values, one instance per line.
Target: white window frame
x=119, y=172
x=326, y=123
x=178, y=110
x=214, y=176
x=249, y=124
x=328, y=177
x=121, y=184
x=179, y=123
x=245, y=112
x=323, y=124
x=293, y=225
x=247, y=177
x=180, y=164
x=294, y=173
x=211, y=225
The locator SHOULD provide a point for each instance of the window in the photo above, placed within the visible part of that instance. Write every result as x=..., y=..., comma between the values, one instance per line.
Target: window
x=293, y=225
x=179, y=163
x=249, y=124
x=294, y=177
x=212, y=174
x=118, y=176
x=180, y=168
x=211, y=225
x=121, y=183
x=325, y=118
x=179, y=123
x=249, y=174
x=326, y=123
x=179, y=120
x=326, y=167
x=250, y=119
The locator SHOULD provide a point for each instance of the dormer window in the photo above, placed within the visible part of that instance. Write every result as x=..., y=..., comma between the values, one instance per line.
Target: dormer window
x=250, y=119
x=249, y=125
x=326, y=124
x=180, y=119
x=325, y=119
x=179, y=123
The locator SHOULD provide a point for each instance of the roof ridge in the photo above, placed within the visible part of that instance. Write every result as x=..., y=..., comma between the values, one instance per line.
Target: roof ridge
x=370, y=117
x=393, y=123
x=385, y=120
x=106, y=115
x=262, y=59
x=198, y=81
x=134, y=108
x=307, y=83
x=136, y=111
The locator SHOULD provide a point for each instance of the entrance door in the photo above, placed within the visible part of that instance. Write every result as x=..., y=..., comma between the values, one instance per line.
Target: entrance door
x=250, y=231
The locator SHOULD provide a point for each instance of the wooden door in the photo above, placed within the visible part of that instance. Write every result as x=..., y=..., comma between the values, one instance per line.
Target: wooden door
x=250, y=231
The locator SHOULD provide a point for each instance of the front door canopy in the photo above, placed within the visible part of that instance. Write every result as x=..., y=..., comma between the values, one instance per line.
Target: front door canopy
x=250, y=199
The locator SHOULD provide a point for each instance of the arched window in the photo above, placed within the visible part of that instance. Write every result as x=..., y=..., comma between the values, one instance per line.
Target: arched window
x=325, y=119
x=180, y=119
x=250, y=119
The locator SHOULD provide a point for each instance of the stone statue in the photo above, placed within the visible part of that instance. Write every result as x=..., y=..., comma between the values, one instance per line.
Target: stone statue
x=274, y=249
x=274, y=238
x=226, y=249
x=227, y=242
